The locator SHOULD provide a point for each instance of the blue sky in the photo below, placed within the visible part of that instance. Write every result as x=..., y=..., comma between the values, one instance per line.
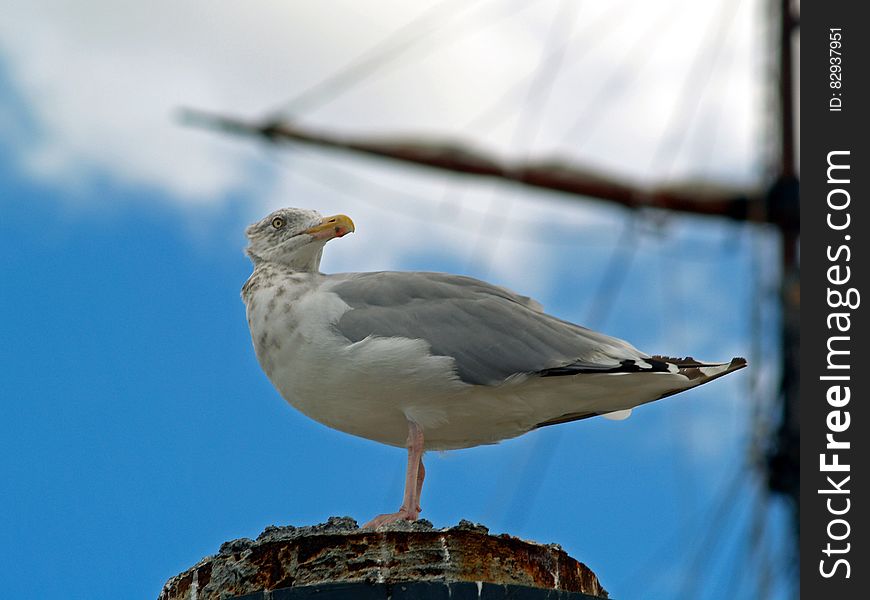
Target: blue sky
x=137, y=432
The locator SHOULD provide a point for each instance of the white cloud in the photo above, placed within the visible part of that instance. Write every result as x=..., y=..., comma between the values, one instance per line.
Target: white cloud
x=103, y=79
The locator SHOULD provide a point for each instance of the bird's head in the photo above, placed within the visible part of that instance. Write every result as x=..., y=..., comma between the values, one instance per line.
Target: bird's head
x=294, y=237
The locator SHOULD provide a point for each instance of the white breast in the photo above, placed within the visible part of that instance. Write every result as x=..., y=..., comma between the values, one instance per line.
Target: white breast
x=369, y=388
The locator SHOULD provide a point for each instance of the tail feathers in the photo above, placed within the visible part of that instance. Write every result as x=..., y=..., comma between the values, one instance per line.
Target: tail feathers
x=688, y=366
x=700, y=372
x=697, y=373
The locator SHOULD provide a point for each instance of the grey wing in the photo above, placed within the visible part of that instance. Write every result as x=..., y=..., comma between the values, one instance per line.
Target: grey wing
x=489, y=331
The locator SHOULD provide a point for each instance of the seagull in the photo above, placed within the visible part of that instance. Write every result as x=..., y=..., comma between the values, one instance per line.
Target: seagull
x=431, y=361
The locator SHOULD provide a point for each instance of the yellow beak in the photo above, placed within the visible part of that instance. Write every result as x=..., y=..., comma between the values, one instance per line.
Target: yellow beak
x=331, y=227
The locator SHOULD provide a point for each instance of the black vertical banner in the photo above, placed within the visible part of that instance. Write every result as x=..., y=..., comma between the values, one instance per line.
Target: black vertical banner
x=835, y=369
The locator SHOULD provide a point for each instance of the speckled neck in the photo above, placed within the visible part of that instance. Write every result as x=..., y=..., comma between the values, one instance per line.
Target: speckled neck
x=267, y=274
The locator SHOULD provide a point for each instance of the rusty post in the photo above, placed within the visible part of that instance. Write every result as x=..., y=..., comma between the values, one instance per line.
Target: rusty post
x=337, y=559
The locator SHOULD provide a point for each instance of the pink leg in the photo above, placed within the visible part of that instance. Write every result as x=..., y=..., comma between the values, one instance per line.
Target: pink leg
x=410, y=509
x=421, y=475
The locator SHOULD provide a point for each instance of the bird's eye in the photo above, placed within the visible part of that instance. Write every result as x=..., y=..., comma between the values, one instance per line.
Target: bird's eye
x=278, y=222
